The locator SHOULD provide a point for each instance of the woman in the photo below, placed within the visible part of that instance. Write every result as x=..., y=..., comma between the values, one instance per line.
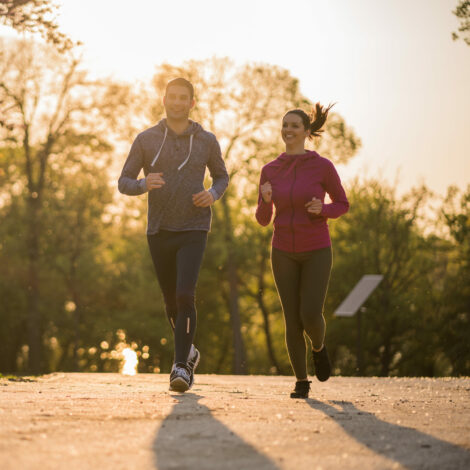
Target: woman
x=296, y=183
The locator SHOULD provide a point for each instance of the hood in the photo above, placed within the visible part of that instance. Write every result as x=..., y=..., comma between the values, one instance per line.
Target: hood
x=289, y=162
x=191, y=130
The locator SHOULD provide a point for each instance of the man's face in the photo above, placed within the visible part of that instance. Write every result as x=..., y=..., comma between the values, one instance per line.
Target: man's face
x=177, y=102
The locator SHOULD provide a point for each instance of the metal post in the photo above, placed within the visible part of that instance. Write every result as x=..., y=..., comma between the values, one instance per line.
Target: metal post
x=359, y=344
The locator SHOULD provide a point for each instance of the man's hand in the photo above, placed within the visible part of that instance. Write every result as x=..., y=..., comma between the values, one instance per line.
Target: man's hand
x=314, y=206
x=203, y=199
x=266, y=192
x=154, y=181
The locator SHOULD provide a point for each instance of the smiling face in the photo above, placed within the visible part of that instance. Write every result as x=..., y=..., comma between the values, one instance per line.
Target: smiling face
x=293, y=131
x=178, y=102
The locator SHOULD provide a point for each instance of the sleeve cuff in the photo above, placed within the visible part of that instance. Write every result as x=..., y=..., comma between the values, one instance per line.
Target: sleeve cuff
x=143, y=185
x=214, y=194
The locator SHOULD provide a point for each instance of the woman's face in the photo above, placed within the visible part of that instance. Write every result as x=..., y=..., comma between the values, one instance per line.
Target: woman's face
x=293, y=131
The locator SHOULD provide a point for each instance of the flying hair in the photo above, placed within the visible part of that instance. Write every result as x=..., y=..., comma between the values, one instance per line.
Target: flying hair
x=315, y=120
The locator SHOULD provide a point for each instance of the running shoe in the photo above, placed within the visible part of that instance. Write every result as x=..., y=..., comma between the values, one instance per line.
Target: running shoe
x=193, y=361
x=322, y=364
x=180, y=378
x=301, y=389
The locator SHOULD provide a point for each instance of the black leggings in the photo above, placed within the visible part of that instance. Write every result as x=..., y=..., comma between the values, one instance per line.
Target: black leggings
x=177, y=257
x=302, y=282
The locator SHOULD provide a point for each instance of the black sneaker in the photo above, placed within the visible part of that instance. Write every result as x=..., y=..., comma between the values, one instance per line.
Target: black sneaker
x=322, y=364
x=193, y=361
x=180, y=378
x=301, y=389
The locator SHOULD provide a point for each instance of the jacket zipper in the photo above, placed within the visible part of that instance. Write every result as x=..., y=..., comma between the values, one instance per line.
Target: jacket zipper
x=293, y=209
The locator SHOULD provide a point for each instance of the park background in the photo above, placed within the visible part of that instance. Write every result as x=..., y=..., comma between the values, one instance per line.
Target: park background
x=79, y=81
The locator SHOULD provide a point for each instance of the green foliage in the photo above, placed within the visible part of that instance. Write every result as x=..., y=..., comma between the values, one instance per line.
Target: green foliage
x=97, y=293
x=462, y=11
x=455, y=294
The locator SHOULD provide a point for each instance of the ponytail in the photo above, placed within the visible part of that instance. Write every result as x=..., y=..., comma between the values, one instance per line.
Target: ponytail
x=315, y=120
x=318, y=118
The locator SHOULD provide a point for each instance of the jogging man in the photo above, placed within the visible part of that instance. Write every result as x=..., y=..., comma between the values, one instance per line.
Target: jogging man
x=174, y=155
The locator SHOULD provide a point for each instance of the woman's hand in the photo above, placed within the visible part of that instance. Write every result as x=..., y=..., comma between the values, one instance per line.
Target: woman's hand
x=154, y=181
x=266, y=191
x=314, y=206
x=203, y=199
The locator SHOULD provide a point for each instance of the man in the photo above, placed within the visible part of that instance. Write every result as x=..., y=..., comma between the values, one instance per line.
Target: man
x=174, y=155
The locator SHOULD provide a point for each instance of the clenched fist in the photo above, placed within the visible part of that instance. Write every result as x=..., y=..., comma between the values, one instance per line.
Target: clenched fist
x=203, y=199
x=314, y=206
x=154, y=181
x=266, y=191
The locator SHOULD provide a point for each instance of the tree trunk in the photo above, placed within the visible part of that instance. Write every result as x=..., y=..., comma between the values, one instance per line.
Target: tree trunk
x=239, y=358
x=264, y=311
x=34, y=314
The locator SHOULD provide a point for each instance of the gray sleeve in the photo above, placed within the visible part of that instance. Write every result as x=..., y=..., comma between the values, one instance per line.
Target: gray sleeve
x=217, y=171
x=128, y=182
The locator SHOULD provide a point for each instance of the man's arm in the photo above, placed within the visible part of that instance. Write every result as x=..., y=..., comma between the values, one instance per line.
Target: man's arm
x=218, y=172
x=128, y=182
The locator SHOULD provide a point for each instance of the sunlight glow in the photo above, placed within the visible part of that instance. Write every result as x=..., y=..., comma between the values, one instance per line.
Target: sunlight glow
x=130, y=362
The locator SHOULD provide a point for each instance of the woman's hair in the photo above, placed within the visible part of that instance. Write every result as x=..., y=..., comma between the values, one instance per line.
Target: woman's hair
x=315, y=120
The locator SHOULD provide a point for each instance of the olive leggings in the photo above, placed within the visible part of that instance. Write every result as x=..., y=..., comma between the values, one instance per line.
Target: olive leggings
x=302, y=282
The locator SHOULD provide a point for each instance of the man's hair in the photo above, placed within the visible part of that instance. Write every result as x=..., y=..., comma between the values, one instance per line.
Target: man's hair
x=181, y=82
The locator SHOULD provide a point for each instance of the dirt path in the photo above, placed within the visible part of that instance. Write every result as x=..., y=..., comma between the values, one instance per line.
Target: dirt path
x=109, y=421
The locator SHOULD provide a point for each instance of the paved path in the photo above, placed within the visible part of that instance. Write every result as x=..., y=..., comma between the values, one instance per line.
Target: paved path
x=110, y=421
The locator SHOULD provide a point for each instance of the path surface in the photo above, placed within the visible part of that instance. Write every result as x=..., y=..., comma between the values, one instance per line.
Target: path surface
x=110, y=421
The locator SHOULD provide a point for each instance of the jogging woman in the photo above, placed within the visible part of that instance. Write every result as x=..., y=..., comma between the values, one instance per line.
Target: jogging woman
x=296, y=183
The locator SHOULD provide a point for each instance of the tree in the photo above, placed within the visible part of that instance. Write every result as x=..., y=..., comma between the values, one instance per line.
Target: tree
x=243, y=106
x=462, y=11
x=381, y=234
x=455, y=299
x=55, y=117
x=34, y=16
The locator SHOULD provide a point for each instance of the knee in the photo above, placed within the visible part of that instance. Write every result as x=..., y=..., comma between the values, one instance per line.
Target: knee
x=313, y=319
x=185, y=299
x=294, y=330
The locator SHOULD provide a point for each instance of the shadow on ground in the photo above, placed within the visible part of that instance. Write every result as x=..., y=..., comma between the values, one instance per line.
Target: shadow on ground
x=409, y=447
x=191, y=437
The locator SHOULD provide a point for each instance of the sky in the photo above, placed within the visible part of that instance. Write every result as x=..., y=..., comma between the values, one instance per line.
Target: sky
x=398, y=78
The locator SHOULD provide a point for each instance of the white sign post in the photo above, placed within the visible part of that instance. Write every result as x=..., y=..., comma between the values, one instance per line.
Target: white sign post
x=352, y=304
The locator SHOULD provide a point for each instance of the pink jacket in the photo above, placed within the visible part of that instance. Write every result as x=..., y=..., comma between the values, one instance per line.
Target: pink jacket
x=295, y=179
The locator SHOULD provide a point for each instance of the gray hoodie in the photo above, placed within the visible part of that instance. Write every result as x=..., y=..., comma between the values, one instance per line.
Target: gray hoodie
x=182, y=158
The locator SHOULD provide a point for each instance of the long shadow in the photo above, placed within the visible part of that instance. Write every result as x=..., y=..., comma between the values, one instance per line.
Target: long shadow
x=410, y=448
x=192, y=438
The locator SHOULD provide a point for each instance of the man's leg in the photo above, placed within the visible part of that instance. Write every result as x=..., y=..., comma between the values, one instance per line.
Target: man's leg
x=191, y=246
x=163, y=254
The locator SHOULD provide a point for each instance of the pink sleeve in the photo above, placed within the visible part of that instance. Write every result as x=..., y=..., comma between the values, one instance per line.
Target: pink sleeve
x=333, y=187
x=264, y=211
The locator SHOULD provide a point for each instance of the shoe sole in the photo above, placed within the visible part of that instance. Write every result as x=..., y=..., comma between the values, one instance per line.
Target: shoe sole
x=323, y=379
x=179, y=385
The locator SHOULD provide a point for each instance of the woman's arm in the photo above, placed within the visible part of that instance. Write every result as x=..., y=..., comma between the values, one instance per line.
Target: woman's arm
x=335, y=190
x=264, y=211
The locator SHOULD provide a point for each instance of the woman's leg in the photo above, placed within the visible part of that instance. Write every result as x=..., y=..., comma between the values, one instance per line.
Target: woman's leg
x=314, y=281
x=287, y=277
